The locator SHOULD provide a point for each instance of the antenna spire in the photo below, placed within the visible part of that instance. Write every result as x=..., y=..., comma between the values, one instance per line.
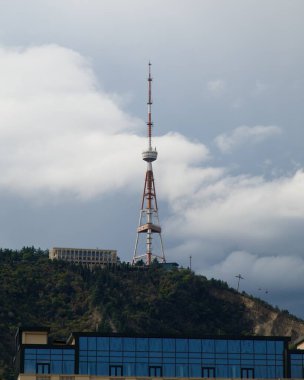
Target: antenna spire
x=149, y=122
x=148, y=220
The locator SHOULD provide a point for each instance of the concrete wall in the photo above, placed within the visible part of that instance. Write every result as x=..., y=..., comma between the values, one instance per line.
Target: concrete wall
x=34, y=337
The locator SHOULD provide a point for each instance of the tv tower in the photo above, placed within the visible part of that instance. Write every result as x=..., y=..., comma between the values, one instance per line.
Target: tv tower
x=148, y=219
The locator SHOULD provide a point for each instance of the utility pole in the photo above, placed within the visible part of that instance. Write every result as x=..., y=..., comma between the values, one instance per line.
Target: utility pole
x=239, y=276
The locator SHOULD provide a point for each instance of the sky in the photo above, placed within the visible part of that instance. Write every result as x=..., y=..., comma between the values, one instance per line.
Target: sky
x=228, y=80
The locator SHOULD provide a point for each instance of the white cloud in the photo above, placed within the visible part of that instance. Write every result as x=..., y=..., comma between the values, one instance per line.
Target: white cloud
x=260, y=87
x=237, y=103
x=241, y=210
x=61, y=134
x=58, y=132
x=246, y=225
x=245, y=135
x=216, y=87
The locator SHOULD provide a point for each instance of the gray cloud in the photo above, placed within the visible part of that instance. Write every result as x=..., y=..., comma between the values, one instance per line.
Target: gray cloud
x=242, y=210
x=65, y=136
x=72, y=129
x=271, y=272
x=62, y=135
x=277, y=278
x=216, y=87
x=245, y=135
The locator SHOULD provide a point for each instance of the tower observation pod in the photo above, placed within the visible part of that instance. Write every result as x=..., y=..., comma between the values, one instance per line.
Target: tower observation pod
x=149, y=230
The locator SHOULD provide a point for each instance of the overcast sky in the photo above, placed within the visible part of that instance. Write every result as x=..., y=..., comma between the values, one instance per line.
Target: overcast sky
x=228, y=80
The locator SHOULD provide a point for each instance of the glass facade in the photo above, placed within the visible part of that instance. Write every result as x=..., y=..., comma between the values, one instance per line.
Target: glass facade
x=297, y=364
x=168, y=357
x=49, y=360
x=175, y=357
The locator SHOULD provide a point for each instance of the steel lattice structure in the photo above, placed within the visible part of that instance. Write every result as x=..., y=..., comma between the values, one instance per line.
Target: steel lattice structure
x=148, y=221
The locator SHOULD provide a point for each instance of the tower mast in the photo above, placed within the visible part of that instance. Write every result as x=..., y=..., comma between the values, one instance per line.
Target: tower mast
x=148, y=219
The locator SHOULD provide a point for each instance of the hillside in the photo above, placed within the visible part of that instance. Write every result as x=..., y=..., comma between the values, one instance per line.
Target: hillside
x=264, y=318
x=38, y=292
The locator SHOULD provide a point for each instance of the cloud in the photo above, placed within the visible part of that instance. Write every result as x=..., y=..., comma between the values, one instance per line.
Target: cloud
x=245, y=135
x=61, y=133
x=242, y=210
x=279, y=272
x=260, y=87
x=216, y=87
x=247, y=225
x=57, y=128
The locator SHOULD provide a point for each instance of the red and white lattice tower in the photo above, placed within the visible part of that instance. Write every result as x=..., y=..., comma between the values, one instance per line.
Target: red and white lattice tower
x=148, y=220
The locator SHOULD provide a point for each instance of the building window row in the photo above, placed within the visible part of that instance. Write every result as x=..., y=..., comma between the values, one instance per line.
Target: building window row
x=45, y=361
x=169, y=370
x=167, y=345
x=85, y=256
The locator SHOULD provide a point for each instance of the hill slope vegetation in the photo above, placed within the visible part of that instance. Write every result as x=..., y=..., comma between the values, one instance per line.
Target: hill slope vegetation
x=36, y=291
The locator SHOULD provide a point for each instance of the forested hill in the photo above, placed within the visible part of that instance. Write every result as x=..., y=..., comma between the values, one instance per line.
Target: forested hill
x=36, y=291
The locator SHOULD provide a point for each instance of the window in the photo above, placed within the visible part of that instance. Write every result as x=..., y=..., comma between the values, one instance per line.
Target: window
x=296, y=365
x=260, y=347
x=91, y=343
x=279, y=347
x=208, y=345
x=247, y=373
x=155, y=344
x=42, y=368
x=247, y=346
x=195, y=370
x=181, y=370
x=168, y=345
x=129, y=369
x=103, y=343
x=83, y=343
x=116, y=344
x=182, y=345
x=142, y=344
x=55, y=360
x=115, y=370
x=297, y=372
x=221, y=346
x=29, y=366
x=155, y=371
x=234, y=346
x=194, y=345
x=141, y=369
x=222, y=371
x=169, y=370
x=56, y=366
x=208, y=372
x=270, y=347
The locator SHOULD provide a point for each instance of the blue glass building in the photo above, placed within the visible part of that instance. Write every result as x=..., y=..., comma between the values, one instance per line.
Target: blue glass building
x=181, y=357
x=169, y=357
x=296, y=363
